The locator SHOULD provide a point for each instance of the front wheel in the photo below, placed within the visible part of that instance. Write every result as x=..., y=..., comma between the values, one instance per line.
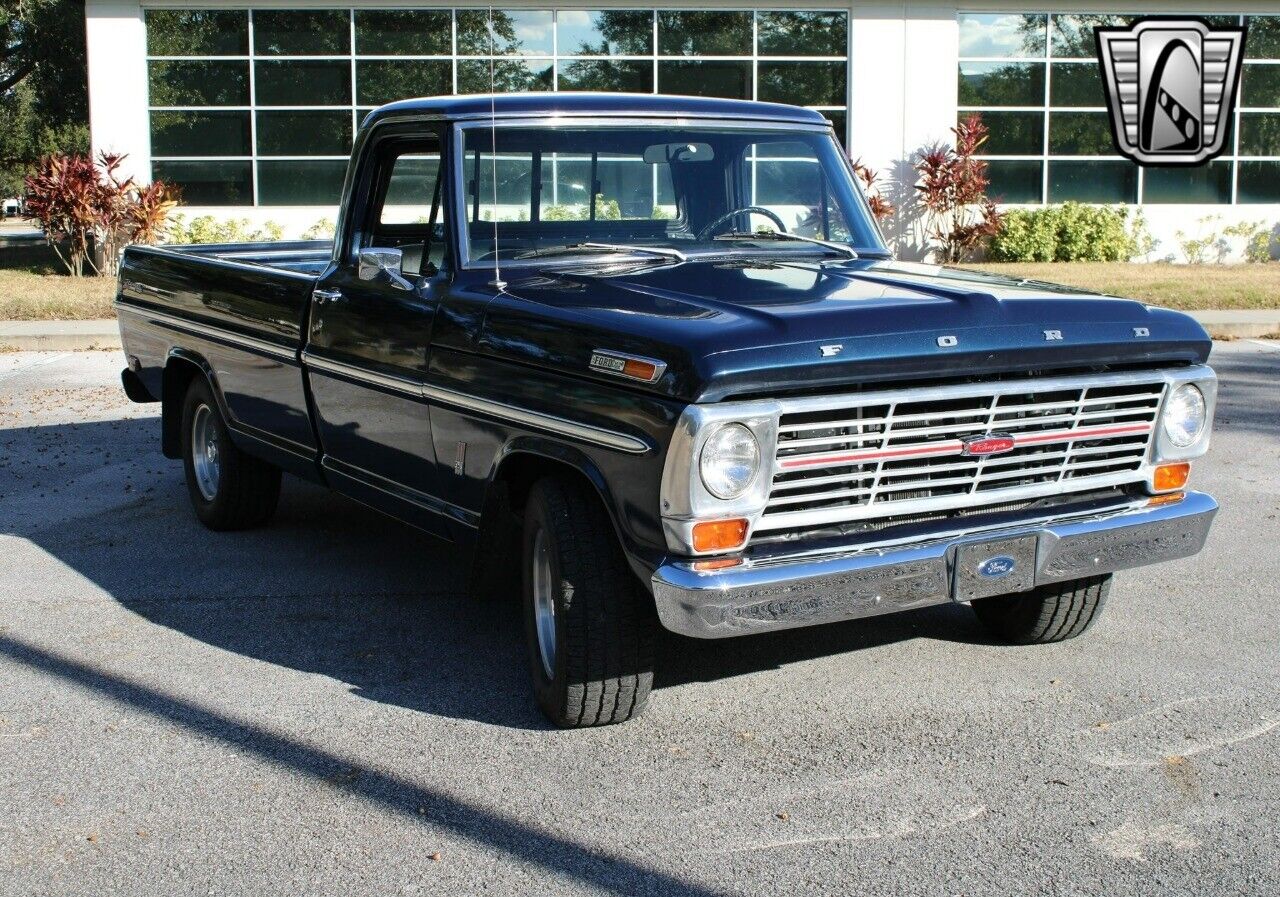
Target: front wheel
x=589, y=625
x=1052, y=613
x=229, y=489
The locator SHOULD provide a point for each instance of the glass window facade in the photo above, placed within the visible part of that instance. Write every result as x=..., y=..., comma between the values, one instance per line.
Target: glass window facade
x=259, y=106
x=1033, y=78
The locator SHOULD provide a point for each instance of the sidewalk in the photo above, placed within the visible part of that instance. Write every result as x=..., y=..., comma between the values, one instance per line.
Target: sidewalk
x=74, y=336
x=59, y=336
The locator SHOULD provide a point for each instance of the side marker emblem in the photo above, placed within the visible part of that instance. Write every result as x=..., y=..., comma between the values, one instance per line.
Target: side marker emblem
x=1141, y=331
x=633, y=367
x=947, y=342
x=1053, y=335
x=832, y=350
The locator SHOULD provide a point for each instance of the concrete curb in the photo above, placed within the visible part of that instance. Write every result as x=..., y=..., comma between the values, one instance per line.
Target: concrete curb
x=77, y=336
x=59, y=336
x=1239, y=324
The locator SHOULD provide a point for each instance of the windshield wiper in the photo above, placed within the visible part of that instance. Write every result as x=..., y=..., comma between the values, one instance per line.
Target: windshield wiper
x=841, y=248
x=573, y=248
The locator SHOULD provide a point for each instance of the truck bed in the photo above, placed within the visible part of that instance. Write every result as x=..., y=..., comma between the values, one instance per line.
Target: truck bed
x=300, y=256
x=240, y=309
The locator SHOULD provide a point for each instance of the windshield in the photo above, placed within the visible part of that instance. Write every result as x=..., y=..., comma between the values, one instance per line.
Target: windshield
x=580, y=191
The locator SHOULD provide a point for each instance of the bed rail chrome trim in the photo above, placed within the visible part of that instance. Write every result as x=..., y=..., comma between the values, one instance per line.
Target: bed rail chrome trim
x=536, y=420
x=206, y=257
x=202, y=329
x=845, y=584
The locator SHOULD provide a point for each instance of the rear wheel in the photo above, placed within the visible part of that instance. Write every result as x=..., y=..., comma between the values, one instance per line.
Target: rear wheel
x=229, y=489
x=589, y=624
x=1052, y=613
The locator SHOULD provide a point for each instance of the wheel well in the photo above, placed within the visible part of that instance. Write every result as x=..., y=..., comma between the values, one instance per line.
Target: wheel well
x=518, y=472
x=178, y=374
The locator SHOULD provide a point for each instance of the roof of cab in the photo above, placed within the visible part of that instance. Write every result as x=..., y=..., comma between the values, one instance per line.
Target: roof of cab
x=533, y=105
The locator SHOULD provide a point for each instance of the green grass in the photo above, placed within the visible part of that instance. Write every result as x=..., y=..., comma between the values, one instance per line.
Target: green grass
x=1184, y=287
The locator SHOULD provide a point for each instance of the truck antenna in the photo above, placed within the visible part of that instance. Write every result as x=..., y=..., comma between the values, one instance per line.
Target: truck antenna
x=497, y=283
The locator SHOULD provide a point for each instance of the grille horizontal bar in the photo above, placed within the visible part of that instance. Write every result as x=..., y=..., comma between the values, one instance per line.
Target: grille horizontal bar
x=875, y=455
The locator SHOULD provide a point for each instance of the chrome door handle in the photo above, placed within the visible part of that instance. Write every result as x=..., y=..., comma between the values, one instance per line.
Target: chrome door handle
x=323, y=296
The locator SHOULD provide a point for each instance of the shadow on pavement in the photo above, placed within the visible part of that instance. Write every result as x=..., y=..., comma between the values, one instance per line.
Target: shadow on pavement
x=532, y=845
x=1249, y=398
x=331, y=587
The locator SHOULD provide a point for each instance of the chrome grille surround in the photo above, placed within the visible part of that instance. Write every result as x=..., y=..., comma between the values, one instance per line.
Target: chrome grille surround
x=896, y=453
x=882, y=454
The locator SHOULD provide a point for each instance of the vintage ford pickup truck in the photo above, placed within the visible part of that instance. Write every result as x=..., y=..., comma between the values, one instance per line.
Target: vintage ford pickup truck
x=649, y=360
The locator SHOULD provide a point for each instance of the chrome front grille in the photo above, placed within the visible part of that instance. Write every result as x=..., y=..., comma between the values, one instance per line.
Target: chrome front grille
x=903, y=452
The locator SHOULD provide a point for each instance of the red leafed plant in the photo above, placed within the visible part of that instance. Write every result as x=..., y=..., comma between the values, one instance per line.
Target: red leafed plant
x=82, y=204
x=953, y=192
x=881, y=208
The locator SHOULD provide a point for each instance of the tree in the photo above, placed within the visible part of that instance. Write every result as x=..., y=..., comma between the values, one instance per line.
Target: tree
x=953, y=192
x=44, y=98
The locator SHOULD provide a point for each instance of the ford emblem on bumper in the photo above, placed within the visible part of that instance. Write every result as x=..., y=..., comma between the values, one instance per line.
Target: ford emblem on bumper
x=996, y=567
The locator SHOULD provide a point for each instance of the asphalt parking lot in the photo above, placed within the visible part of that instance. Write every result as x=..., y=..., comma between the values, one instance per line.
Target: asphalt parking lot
x=318, y=707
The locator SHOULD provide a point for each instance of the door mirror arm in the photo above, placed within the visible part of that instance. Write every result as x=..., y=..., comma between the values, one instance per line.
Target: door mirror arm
x=374, y=261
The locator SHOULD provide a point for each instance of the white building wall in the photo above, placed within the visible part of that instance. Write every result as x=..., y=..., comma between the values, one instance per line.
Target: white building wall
x=117, y=55
x=902, y=83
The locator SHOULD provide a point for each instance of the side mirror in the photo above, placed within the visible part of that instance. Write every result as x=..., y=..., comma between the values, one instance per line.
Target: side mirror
x=374, y=261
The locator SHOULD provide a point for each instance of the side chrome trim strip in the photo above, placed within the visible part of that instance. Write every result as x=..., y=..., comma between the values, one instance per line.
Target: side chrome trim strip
x=402, y=492
x=539, y=421
x=208, y=331
x=402, y=385
x=533, y=419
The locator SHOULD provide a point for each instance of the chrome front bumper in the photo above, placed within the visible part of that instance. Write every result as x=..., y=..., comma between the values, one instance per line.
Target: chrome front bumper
x=805, y=589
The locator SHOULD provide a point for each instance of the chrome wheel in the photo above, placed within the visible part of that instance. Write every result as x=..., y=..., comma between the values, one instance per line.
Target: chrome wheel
x=205, y=461
x=544, y=602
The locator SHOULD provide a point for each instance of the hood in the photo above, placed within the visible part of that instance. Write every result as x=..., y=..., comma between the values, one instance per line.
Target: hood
x=728, y=328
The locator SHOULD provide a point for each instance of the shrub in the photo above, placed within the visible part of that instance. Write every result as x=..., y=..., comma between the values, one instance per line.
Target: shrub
x=1070, y=232
x=209, y=229
x=324, y=229
x=606, y=210
x=1206, y=242
x=881, y=208
x=84, y=203
x=953, y=193
x=1257, y=239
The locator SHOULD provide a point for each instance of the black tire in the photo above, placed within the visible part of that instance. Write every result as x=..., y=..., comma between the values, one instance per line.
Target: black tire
x=1052, y=613
x=604, y=621
x=247, y=489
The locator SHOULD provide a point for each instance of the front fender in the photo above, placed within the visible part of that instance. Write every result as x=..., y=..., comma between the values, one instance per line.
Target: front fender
x=525, y=458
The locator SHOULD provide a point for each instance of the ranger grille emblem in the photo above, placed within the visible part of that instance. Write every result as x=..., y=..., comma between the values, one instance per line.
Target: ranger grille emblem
x=1171, y=88
x=832, y=350
x=987, y=444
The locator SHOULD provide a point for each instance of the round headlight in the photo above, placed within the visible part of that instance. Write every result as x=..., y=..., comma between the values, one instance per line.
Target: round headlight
x=730, y=461
x=1184, y=415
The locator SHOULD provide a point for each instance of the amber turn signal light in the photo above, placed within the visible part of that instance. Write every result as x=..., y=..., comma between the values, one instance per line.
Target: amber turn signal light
x=716, y=564
x=1171, y=498
x=1171, y=476
x=719, y=535
x=640, y=370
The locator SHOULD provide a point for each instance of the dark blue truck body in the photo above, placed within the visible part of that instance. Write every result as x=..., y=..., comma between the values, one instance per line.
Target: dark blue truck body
x=444, y=402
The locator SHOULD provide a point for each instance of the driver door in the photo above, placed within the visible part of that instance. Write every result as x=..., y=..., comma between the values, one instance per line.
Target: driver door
x=370, y=337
